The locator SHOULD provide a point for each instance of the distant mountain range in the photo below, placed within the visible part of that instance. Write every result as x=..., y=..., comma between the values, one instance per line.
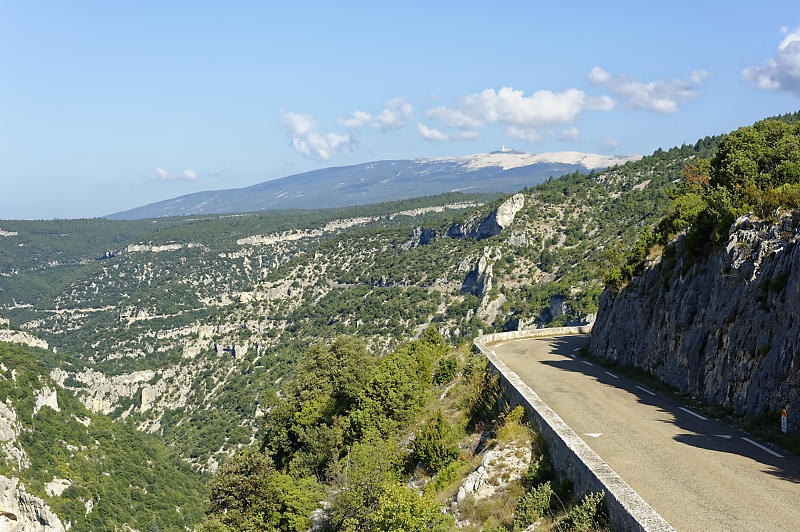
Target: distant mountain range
x=379, y=181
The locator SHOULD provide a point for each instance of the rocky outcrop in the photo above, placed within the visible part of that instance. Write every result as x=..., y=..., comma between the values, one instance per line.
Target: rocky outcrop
x=10, y=429
x=46, y=397
x=57, y=486
x=149, y=248
x=725, y=327
x=500, y=467
x=479, y=278
x=419, y=237
x=19, y=337
x=501, y=217
x=23, y=512
x=491, y=225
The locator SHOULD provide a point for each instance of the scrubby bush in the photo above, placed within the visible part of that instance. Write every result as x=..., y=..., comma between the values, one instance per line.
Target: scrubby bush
x=539, y=471
x=249, y=494
x=532, y=506
x=587, y=515
x=399, y=508
x=434, y=446
x=446, y=370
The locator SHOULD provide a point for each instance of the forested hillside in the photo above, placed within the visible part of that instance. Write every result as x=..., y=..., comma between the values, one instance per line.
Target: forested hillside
x=177, y=331
x=198, y=330
x=95, y=474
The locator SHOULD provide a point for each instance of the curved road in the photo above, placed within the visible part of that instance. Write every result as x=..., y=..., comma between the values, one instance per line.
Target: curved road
x=699, y=474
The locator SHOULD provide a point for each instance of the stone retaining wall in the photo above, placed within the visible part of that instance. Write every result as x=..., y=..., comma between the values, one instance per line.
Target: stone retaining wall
x=569, y=453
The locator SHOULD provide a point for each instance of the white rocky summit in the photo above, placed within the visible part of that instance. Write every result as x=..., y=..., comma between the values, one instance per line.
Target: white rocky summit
x=508, y=159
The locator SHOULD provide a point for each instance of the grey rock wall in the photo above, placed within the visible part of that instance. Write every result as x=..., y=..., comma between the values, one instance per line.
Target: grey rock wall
x=725, y=327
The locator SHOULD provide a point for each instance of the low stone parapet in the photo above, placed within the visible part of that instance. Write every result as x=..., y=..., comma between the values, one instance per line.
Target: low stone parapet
x=569, y=453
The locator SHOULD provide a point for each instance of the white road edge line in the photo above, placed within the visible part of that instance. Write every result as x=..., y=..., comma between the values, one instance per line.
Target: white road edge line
x=762, y=447
x=695, y=414
x=609, y=373
x=645, y=390
x=724, y=436
x=587, y=363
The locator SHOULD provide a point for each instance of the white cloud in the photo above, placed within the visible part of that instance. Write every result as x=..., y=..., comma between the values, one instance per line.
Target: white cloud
x=524, y=116
x=662, y=96
x=598, y=75
x=308, y=142
x=529, y=135
x=781, y=72
x=359, y=119
x=431, y=133
x=609, y=143
x=600, y=103
x=163, y=175
x=298, y=125
x=569, y=135
x=453, y=117
x=394, y=115
x=511, y=107
x=465, y=135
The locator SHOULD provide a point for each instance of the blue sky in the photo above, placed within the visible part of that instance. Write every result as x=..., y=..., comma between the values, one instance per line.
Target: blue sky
x=109, y=105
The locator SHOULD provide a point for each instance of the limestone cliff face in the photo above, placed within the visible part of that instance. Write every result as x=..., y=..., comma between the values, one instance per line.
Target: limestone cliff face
x=491, y=225
x=725, y=327
x=23, y=512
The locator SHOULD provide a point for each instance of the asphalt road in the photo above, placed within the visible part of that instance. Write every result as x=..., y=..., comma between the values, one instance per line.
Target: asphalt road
x=699, y=474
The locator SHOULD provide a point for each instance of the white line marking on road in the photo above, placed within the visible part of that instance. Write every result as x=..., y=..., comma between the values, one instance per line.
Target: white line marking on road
x=725, y=436
x=763, y=448
x=576, y=350
x=695, y=414
x=593, y=434
x=609, y=373
x=645, y=390
x=588, y=363
x=498, y=344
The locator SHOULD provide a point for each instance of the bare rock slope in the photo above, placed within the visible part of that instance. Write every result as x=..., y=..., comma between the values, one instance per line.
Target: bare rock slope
x=725, y=327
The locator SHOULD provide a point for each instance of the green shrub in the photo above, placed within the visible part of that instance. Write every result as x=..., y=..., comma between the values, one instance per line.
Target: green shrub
x=539, y=471
x=493, y=525
x=533, y=505
x=359, y=480
x=585, y=516
x=248, y=494
x=444, y=478
x=400, y=508
x=447, y=370
x=434, y=446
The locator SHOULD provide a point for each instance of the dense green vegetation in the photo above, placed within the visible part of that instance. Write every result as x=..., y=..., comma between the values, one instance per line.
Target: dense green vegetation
x=47, y=255
x=338, y=423
x=351, y=428
x=236, y=331
x=755, y=169
x=130, y=477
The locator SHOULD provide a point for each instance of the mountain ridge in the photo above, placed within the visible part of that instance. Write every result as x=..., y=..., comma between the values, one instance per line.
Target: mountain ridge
x=379, y=181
